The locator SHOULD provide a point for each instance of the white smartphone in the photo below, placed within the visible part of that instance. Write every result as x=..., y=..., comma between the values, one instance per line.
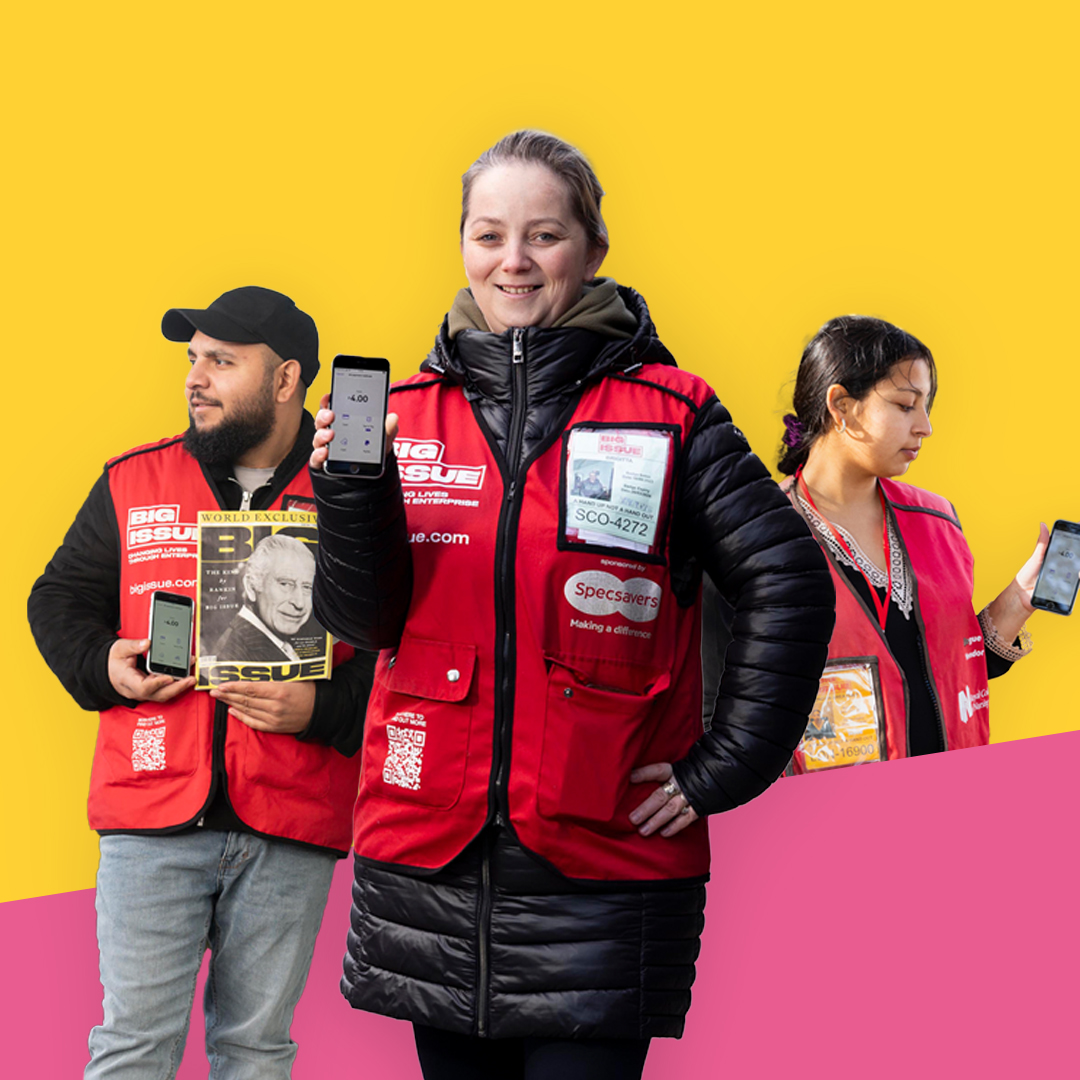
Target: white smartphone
x=359, y=391
x=1059, y=575
x=172, y=617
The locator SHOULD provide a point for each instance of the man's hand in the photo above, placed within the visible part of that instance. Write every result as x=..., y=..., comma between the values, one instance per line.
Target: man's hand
x=281, y=708
x=128, y=681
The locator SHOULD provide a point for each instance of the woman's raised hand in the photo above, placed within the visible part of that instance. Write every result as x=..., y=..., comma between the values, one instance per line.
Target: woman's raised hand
x=1010, y=610
x=324, y=433
x=1029, y=572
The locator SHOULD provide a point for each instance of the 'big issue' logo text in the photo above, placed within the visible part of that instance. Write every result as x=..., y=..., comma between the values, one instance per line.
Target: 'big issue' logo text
x=421, y=464
x=157, y=525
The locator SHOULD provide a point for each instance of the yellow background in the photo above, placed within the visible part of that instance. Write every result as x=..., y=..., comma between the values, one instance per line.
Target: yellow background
x=767, y=167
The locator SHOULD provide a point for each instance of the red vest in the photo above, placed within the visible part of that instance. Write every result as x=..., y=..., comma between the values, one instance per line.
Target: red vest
x=535, y=671
x=153, y=764
x=942, y=567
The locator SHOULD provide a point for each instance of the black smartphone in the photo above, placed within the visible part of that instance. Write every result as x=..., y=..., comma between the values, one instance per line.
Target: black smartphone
x=171, y=619
x=1058, y=578
x=359, y=391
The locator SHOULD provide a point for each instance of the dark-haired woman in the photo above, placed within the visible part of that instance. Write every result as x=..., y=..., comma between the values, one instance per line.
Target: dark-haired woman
x=909, y=659
x=531, y=849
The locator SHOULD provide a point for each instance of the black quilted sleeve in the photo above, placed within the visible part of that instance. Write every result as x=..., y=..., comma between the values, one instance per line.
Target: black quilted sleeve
x=363, y=576
x=74, y=607
x=737, y=523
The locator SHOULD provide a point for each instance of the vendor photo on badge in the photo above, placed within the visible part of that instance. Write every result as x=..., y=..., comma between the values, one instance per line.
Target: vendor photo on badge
x=616, y=480
x=592, y=479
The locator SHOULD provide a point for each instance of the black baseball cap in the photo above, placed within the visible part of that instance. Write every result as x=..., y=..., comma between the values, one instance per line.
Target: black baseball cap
x=250, y=316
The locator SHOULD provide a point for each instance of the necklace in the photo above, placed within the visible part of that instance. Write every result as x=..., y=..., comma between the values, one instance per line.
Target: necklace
x=902, y=594
x=842, y=543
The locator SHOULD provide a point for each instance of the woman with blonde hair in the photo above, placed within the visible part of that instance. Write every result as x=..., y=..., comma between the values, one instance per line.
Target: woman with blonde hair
x=530, y=845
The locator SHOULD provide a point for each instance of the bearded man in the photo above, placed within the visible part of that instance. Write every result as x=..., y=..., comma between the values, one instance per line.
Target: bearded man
x=221, y=812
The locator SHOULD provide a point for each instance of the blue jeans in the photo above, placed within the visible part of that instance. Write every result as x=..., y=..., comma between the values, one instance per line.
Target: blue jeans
x=161, y=901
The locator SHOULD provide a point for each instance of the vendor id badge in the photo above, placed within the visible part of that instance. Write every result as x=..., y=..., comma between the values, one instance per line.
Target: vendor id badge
x=615, y=487
x=847, y=724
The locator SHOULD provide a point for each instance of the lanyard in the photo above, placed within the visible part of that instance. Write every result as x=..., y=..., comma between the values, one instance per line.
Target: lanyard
x=880, y=606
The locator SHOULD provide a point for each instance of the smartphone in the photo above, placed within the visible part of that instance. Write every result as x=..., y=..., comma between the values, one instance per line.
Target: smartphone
x=171, y=620
x=1056, y=588
x=359, y=391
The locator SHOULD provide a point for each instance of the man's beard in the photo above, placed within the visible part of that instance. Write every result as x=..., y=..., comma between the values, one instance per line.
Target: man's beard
x=233, y=435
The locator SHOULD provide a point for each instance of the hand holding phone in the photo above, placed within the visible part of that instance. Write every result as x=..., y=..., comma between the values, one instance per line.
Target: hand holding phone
x=359, y=393
x=129, y=681
x=172, y=617
x=1059, y=576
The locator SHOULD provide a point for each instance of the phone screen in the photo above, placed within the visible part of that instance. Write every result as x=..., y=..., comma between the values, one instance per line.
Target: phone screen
x=170, y=635
x=1058, y=580
x=359, y=404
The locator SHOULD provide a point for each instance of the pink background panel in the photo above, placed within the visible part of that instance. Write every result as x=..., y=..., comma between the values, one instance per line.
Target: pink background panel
x=912, y=919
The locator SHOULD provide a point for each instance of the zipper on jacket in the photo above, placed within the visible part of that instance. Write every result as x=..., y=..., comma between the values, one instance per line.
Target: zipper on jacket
x=218, y=772
x=504, y=661
x=263, y=497
x=483, y=942
x=519, y=400
x=247, y=497
x=217, y=758
x=504, y=586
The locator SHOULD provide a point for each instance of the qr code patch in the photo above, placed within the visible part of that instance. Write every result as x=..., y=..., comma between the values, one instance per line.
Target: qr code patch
x=148, y=748
x=404, y=757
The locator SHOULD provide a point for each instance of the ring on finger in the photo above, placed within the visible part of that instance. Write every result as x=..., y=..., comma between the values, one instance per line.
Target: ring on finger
x=685, y=810
x=670, y=789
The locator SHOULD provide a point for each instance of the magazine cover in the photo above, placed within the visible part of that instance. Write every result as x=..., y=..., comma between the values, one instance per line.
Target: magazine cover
x=255, y=573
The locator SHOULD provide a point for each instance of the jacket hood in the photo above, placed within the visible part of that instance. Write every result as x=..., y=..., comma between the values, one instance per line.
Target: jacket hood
x=557, y=356
x=599, y=308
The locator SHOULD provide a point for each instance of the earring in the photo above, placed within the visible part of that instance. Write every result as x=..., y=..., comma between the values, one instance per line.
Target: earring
x=842, y=426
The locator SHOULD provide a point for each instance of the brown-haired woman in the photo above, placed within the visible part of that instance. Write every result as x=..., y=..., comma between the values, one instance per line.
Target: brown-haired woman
x=909, y=659
x=531, y=857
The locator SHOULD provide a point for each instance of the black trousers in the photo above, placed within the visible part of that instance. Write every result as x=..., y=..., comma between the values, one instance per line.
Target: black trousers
x=445, y=1055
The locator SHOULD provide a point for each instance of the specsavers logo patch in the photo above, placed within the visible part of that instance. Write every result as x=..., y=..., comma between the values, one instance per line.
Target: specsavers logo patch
x=596, y=592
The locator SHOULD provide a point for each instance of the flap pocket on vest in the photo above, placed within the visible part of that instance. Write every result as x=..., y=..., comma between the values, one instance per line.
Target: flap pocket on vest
x=596, y=723
x=439, y=670
x=416, y=738
x=151, y=742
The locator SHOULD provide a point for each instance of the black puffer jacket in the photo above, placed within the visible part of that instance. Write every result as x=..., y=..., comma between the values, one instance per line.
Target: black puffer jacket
x=497, y=943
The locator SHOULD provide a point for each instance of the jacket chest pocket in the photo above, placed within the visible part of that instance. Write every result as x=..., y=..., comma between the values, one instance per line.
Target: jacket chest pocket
x=596, y=724
x=416, y=738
